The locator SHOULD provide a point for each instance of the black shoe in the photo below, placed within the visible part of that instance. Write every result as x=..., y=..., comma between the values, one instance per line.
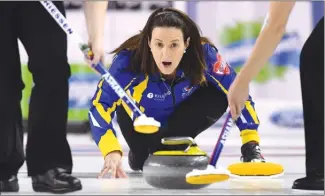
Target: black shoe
x=309, y=183
x=251, y=152
x=56, y=181
x=10, y=185
x=136, y=162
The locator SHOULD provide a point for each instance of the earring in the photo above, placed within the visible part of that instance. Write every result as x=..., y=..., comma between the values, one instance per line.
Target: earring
x=185, y=51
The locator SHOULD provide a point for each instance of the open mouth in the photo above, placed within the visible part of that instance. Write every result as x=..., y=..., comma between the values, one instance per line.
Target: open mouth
x=167, y=63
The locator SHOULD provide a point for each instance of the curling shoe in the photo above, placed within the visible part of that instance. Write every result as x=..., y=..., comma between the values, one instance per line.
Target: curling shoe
x=9, y=185
x=136, y=162
x=310, y=183
x=251, y=152
x=57, y=181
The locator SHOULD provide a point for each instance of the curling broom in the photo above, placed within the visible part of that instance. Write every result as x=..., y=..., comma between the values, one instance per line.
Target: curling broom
x=212, y=173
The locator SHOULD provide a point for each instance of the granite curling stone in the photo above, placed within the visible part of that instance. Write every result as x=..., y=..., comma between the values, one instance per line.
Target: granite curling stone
x=168, y=169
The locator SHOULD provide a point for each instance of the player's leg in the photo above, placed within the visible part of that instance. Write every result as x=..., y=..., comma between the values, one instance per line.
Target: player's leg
x=138, y=143
x=46, y=46
x=201, y=111
x=190, y=118
x=11, y=85
x=47, y=151
x=312, y=86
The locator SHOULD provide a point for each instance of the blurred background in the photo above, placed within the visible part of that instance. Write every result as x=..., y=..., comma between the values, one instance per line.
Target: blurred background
x=232, y=26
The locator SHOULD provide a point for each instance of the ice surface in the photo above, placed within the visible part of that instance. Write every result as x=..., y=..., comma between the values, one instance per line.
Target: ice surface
x=88, y=163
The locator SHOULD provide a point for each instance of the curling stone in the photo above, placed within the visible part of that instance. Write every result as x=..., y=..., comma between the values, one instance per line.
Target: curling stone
x=168, y=169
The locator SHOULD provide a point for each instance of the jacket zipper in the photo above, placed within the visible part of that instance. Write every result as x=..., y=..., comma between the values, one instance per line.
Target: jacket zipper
x=171, y=89
x=173, y=94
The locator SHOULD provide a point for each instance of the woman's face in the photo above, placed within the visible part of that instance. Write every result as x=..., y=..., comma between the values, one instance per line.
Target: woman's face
x=167, y=48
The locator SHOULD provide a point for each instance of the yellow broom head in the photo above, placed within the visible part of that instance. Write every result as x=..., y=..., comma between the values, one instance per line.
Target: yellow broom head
x=256, y=169
x=146, y=125
x=207, y=176
x=146, y=129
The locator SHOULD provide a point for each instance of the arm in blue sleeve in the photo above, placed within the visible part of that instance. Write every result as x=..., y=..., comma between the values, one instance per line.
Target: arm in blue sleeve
x=103, y=106
x=221, y=74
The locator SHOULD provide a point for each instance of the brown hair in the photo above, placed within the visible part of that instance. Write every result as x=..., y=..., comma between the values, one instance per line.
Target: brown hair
x=193, y=61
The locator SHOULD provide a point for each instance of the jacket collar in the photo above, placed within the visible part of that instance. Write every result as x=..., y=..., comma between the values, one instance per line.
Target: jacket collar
x=158, y=76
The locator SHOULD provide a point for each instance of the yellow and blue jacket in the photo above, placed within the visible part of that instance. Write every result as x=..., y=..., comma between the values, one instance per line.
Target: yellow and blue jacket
x=156, y=97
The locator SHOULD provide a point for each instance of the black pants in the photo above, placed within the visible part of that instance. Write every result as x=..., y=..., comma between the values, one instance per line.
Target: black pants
x=312, y=86
x=46, y=46
x=190, y=118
